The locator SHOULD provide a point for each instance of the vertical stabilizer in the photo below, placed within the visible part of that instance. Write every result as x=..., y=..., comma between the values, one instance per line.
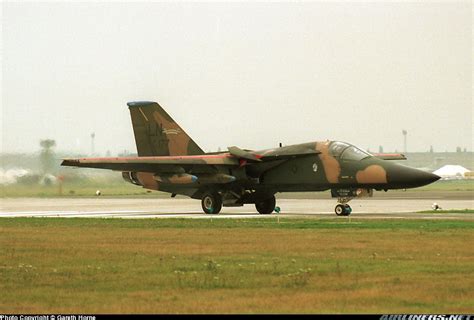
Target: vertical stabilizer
x=157, y=134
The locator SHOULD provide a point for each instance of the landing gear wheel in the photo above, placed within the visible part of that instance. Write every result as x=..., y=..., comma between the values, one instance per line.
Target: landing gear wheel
x=339, y=210
x=347, y=209
x=211, y=203
x=266, y=206
x=343, y=210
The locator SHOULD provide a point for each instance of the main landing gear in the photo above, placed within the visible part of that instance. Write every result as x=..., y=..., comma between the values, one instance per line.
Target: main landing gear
x=211, y=203
x=343, y=209
x=266, y=206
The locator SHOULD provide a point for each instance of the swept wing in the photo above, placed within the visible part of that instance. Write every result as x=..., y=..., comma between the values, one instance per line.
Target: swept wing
x=167, y=164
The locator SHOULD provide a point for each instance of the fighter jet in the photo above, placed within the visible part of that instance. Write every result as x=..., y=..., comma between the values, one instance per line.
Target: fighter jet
x=170, y=161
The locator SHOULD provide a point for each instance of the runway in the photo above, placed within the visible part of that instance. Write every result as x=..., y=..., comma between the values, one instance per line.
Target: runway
x=101, y=207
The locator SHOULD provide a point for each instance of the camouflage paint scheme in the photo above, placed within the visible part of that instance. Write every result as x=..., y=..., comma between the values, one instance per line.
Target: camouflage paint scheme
x=170, y=161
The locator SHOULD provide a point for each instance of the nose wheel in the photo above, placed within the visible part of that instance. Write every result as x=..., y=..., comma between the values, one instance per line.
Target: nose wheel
x=343, y=210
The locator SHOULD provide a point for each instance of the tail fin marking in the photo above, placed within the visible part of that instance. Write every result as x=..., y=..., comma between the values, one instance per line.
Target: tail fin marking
x=157, y=134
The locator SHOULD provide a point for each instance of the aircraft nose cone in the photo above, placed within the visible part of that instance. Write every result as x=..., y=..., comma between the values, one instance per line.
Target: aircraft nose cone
x=406, y=177
x=434, y=177
x=428, y=177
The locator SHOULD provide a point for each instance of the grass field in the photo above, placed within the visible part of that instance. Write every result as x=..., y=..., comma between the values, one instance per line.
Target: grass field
x=236, y=266
x=82, y=189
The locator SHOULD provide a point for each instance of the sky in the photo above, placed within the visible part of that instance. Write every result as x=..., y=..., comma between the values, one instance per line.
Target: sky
x=244, y=74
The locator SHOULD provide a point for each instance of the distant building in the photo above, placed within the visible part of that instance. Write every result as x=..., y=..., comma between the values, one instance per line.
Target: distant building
x=451, y=172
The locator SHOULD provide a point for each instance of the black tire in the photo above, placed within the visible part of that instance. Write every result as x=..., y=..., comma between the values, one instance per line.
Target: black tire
x=211, y=203
x=340, y=210
x=347, y=210
x=266, y=206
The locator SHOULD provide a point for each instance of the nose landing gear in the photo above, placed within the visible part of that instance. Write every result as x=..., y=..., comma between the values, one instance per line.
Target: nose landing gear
x=343, y=209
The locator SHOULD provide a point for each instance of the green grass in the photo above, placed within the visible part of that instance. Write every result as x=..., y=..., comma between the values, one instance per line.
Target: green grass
x=52, y=265
x=254, y=223
x=449, y=185
x=72, y=189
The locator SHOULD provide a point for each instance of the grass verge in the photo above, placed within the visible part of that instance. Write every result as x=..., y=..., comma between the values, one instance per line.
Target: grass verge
x=53, y=265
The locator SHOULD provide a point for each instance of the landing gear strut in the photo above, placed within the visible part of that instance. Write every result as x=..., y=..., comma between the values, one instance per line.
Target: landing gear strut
x=211, y=203
x=343, y=209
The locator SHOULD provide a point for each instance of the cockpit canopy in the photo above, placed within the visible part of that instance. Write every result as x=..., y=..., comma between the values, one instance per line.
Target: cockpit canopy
x=346, y=151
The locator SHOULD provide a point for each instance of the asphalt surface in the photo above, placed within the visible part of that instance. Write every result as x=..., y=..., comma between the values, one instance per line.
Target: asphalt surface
x=101, y=207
